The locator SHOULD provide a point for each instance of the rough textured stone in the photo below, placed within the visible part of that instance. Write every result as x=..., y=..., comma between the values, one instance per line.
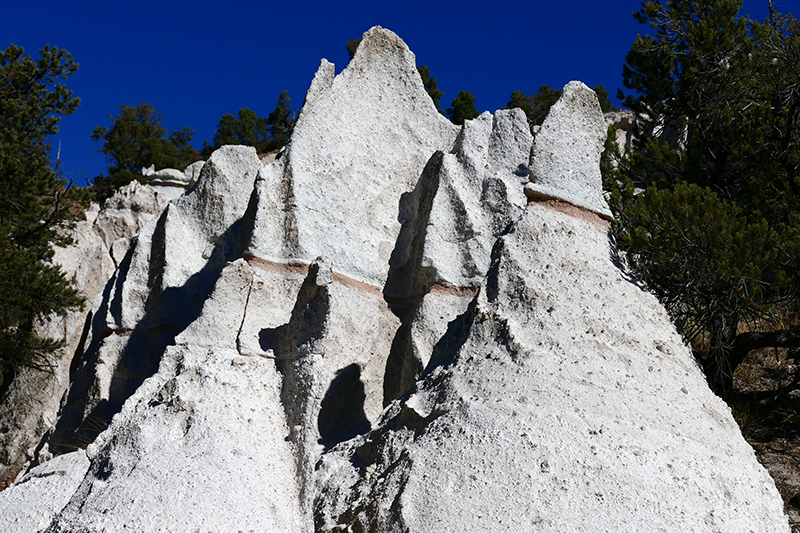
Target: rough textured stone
x=256, y=327
x=562, y=400
x=192, y=172
x=462, y=202
x=361, y=140
x=126, y=213
x=158, y=289
x=31, y=503
x=170, y=182
x=30, y=405
x=207, y=429
x=565, y=160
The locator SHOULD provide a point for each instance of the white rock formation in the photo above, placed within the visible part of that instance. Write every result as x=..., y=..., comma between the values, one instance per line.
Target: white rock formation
x=623, y=121
x=462, y=202
x=206, y=407
x=42, y=492
x=255, y=329
x=158, y=289
x=126, y=213
x=571, y=137
x=168, y=175
x=192, y=172
x=562, y=400
x=30, y=405
x=361, y=141
x=171, y=182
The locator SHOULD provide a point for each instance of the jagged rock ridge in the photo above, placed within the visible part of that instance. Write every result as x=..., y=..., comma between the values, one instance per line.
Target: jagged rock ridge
x=255, y=330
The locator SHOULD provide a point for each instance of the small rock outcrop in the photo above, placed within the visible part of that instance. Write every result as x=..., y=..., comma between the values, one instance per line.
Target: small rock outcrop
x=171, y=182
x=398, y=325
x=42, y=492
x=623, y=122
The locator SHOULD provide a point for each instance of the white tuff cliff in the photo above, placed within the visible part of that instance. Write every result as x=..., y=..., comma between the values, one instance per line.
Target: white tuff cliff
x=379, y=331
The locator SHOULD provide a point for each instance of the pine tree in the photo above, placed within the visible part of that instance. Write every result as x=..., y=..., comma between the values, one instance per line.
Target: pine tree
x=714, y=232
x=352, y=46
x=36, y=207
x=463, y=108
x=535, y=106
x=136, y=140
x=281, y=120
x=431, y=87
x=248, y=129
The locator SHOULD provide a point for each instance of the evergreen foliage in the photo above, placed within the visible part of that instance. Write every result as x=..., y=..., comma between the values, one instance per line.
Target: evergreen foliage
x=37, y=208
x=535, y=106
x=463, y=108
x=281, y=121
x=136, y=140
x=714, y=232
x=265, y=134
x=431, y=87
x=352, y=46
x=602, y=97
x=248, y=129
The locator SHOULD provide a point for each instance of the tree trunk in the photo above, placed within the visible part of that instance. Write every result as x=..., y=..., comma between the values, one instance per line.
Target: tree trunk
x=719, y=367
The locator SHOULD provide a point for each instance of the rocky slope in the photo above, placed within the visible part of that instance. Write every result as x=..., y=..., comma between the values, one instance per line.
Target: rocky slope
x=398, y=325
x=30, y=405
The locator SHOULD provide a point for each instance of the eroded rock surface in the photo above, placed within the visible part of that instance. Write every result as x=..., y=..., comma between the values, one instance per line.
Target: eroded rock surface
x=42, y=492
x=565, y=160
x=30, y=405
x=256, y=328
x=171, y=182
x=207, y=430
x=361, y=140
x=462, y=202
x=561, y=400
x=158, y=289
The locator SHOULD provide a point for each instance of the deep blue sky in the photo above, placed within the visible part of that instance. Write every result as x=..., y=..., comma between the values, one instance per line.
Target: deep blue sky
x=195, y=61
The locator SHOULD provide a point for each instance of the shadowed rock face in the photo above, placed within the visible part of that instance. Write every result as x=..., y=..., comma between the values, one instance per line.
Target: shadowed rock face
x=29, y=405
x=255, y=330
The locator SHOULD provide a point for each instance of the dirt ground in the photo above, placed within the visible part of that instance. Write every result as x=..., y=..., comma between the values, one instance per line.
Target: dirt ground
x=767, y=408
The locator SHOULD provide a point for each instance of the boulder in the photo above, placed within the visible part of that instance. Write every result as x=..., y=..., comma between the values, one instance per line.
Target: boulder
x=42, y=492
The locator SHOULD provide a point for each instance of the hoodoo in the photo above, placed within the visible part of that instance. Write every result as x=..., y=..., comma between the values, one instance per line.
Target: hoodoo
x=398, y=325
